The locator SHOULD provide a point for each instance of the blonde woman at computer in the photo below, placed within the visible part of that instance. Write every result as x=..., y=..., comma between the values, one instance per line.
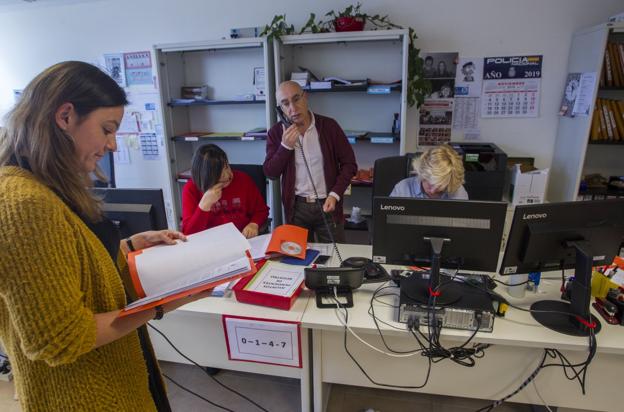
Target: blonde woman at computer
x=439, y=175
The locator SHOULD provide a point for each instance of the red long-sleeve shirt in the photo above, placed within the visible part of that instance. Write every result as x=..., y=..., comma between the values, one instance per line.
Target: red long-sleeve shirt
x=241, y=203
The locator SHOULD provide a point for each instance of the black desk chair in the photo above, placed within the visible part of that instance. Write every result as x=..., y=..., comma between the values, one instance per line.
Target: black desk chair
x=257, y=175
x=388, y=172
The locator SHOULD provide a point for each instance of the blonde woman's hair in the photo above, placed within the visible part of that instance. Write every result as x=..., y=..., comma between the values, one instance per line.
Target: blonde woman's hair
x=32, y=138
x=442, y=167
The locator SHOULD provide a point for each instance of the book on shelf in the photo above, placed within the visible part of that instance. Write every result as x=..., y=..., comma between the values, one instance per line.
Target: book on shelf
x=607, y=121
x=338, y=81
x=608, y=69
x=613, y=67
x=351, y=84
x=614, y=64
x=257, y=132
x=165, y=273
x=224, y=134
x=320, y=85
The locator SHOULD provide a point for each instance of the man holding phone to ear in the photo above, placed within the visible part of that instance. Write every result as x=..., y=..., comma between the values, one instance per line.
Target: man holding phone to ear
x=313, y=157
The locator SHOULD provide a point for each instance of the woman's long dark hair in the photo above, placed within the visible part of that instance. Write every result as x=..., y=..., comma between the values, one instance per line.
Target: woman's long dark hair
x=208, y=163
x=33, y=136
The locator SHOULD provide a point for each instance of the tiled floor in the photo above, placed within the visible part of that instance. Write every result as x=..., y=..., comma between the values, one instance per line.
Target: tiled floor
x=282, y=395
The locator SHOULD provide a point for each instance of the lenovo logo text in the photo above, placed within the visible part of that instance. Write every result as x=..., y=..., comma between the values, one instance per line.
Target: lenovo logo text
x=393, y=207
x=534, y=216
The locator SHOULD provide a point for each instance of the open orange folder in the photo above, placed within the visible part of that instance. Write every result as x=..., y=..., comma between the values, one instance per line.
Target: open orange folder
x=289, y=240
x=164, y=273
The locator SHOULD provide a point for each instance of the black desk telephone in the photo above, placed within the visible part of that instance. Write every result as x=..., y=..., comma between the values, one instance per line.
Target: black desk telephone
x=373, y=272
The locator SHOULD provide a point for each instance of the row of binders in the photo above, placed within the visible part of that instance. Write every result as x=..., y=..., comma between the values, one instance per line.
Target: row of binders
x=613, y=67
x=608, y=121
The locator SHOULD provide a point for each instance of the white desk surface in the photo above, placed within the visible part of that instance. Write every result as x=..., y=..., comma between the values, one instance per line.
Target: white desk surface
x=517, y=328
x=217, y=306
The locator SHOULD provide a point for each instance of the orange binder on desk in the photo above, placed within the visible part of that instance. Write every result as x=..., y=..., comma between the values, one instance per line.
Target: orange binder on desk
x=164, y=273
x=289, y=240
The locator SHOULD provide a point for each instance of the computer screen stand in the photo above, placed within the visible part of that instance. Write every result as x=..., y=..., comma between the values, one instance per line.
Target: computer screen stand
x=438, y=287
x=572, y=318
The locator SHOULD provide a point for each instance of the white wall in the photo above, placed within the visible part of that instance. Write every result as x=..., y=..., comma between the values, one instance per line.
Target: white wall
x=37, y=35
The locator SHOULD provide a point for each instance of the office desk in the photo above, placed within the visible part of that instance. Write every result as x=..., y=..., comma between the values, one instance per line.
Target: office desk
x=517, y=349
x=197, y=331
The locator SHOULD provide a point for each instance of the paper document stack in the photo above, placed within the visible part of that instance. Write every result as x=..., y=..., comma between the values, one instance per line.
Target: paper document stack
x=165, y=273
x=303, y=78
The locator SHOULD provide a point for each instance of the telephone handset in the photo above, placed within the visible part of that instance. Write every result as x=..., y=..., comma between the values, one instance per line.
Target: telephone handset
x=283, y=118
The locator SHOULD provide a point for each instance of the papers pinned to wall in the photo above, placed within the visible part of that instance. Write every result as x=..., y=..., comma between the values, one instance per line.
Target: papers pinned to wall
x=578, y=94
x=114, y=63
x=138, y=68
x=469, y=77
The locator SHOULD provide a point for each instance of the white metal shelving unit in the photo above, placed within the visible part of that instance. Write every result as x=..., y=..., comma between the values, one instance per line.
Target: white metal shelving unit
x=227, y=68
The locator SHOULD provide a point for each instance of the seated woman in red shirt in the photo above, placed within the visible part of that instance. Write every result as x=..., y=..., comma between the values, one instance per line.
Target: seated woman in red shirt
x=217, y=194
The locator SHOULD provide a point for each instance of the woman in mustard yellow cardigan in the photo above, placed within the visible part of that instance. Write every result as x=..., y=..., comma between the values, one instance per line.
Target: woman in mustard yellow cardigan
x=62, y=265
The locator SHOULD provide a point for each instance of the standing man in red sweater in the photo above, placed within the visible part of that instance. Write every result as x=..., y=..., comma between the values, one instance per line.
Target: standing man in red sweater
x=217, y=194
x=324, y=173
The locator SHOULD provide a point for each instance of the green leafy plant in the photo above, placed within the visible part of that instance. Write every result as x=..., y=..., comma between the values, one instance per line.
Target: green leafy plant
x=277, y=28
x=417, y=86
x=380, y=22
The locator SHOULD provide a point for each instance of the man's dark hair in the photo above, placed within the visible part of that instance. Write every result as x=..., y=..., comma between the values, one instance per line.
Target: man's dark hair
x=429, y=58
x=208, y=163
x=467, y=64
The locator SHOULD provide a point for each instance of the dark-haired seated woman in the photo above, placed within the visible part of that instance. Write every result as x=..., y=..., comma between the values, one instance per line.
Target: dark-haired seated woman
x=216, y=194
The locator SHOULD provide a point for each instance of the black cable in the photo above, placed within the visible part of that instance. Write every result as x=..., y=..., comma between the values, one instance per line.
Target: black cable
x=318, y=202
x=579, y=375
x=461, y=355
x=362, y=369
x=204, y=370
x=375, y=320
x=528, y=380
x=511, y=284
x=196, y=394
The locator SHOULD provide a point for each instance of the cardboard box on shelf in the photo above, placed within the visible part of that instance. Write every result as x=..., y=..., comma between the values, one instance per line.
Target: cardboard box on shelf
x=528, y=187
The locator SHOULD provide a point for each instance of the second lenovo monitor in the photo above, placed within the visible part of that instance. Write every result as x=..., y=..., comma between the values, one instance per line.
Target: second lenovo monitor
x=473, y=229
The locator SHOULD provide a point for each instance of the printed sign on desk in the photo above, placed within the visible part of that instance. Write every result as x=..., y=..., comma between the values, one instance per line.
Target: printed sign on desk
x=263, y=340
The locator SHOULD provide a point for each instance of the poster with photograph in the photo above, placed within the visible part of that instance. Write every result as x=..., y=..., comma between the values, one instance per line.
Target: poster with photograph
x=511, y=86
x=440, y=68
x=138, y=68
x=469, y=77
x=436, y=117
x=115, y=66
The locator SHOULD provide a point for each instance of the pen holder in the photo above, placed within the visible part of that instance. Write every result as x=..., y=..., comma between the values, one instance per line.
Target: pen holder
x=519, y=288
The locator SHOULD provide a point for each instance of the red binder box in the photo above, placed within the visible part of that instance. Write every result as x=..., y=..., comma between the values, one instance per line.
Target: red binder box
x=264, y=299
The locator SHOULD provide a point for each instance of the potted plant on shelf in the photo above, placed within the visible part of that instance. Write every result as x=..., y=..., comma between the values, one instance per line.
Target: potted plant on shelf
x=353, y=19
x=350, y=19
